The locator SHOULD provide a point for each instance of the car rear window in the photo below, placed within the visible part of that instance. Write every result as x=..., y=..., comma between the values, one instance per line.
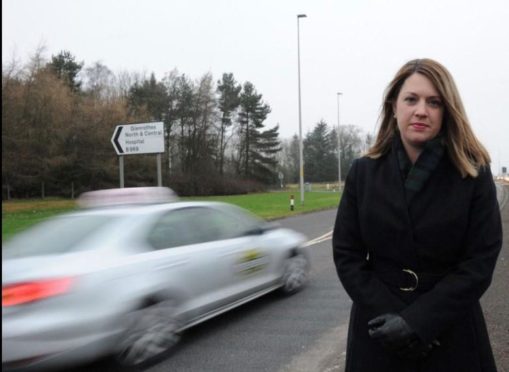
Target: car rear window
x=59, y=235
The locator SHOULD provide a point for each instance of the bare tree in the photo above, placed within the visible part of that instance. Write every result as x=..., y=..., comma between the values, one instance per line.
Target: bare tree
x=99, y=81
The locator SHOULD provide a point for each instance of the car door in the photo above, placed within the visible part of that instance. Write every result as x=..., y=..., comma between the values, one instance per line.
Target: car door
x=242, y=248
x=189, y=247
x=185, y=260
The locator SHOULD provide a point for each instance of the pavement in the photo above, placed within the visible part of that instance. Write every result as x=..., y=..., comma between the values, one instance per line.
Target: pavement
x=495, y=301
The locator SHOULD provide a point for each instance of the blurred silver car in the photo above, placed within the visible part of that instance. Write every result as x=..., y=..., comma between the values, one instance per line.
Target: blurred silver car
x=126, y=280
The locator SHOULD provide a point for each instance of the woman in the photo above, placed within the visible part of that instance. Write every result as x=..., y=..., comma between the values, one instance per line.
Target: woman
x=418, y=233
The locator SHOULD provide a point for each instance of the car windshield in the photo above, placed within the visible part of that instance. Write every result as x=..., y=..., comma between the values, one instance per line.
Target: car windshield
x=55, y=236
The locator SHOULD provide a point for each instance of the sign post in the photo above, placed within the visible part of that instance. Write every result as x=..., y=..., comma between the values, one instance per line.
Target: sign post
x=159, y=176
x=136, y=139
x=121, y=170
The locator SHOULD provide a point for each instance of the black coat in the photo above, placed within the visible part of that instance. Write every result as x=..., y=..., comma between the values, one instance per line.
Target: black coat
x=449, y=235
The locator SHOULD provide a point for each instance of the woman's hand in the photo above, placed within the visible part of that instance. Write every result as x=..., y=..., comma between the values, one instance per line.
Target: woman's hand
x=395, y=335
x=392, y=331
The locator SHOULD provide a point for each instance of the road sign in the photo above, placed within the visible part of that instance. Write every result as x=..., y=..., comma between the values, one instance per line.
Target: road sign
x=133, y=139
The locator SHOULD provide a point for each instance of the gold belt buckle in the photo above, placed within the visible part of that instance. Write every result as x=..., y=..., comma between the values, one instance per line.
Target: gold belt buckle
x=416, y=278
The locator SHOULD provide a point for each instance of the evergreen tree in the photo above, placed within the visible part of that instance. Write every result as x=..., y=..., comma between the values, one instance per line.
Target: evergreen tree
x=229, y=101
x=319, y=155
x=151, y=97
x=202, y=139
x=66, y=68
x=253, y=112
x=185, y=101
x=264, y=155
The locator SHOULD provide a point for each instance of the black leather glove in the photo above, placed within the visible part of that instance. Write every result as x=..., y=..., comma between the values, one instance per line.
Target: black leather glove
x=395, y=335
x=392, y=331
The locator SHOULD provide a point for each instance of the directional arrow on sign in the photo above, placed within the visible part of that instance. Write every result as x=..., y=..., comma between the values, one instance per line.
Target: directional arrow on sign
x=116, y=144
x=143, y=138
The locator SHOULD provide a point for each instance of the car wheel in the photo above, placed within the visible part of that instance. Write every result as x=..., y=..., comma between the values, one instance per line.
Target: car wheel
x=295, y=274
x=151, y=333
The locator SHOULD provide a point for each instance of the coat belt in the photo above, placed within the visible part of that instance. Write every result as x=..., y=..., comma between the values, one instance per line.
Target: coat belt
x=409, y=280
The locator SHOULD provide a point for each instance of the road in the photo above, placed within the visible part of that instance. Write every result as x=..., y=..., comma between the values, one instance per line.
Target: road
x=495, y=302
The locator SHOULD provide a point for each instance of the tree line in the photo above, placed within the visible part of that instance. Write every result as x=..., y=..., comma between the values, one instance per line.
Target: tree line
x=58, y=117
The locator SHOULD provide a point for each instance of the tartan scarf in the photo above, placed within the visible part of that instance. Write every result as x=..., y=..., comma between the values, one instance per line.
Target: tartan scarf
x=416, y=175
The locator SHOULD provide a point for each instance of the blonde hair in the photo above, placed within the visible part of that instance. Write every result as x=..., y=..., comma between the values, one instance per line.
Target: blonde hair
x=465, y=151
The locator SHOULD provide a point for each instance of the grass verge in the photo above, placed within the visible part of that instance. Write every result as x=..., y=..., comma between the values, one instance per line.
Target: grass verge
x=20, y=214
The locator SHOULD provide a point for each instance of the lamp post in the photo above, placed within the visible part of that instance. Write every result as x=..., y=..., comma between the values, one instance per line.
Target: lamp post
x=339, y=148
x=301, y=161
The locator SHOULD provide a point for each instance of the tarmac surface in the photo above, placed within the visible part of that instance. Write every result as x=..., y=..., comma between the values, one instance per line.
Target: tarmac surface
x=495, y=301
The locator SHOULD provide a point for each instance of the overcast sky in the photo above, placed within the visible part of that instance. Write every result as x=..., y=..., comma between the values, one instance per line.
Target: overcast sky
x=349, y=46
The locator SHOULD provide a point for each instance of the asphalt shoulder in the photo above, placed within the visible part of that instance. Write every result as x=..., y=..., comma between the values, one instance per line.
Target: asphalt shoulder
x=495, y=301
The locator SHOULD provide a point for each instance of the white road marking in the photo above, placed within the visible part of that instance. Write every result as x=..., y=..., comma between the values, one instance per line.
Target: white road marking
x=320, y=239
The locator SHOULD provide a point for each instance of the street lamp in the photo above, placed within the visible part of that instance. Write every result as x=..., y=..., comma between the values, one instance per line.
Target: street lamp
x=339, y=148
x=301, y=165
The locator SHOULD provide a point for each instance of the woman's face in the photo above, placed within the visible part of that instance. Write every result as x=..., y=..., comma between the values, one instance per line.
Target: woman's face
x=419, y=111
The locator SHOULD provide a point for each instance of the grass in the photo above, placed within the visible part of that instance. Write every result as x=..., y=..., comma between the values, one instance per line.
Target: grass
x=273, y=205
x=20, y=214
